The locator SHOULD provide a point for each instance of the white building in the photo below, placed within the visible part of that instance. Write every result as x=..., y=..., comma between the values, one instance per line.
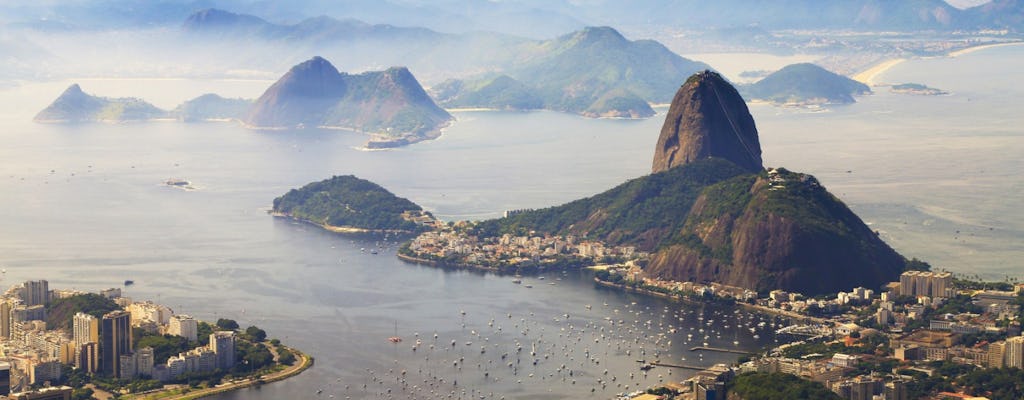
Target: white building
x=184, y=326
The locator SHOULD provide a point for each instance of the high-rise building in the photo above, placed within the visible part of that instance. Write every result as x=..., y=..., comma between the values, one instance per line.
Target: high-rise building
x=87, y=357
x=36, y=293
x=85, y=328
x=184, y=326
x=223, y=344
x=1015, y=352
x=896, y=390
x=129, y=366
x=926, y=283
x=5, y=378
x=115, y=340
x=144, y=362
x=996, y=355
x=5, y=319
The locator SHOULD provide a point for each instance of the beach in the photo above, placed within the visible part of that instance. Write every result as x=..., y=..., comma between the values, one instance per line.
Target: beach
x=869, y=76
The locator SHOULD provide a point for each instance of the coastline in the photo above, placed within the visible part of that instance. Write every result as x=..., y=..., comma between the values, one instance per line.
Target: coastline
x=438, y=264
x=335, y=229
x=869, y=76
x=973, y=49
x=757, y=308
x=302, y=363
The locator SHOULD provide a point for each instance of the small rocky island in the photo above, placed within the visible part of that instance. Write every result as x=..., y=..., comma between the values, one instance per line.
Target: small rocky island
x=348, y=204
x=917, y=89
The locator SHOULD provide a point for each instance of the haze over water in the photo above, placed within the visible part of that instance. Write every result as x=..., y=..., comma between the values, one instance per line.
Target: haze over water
x=84, y=207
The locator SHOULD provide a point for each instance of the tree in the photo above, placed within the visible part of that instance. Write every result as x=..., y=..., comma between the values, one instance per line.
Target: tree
x=257, y=334
x=227, y=324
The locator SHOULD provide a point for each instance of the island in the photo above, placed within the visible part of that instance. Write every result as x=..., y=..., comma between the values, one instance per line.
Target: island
x=805, y=84
x=348, y=204
x=390, y=106
x=74, y=105
x=76, y=344
x=918, y=89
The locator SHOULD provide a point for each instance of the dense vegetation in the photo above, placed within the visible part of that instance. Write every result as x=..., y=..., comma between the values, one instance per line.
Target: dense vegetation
x=778, y=386
x=805, y=83
x=347, y=201
x=994, y=383
x=640, y=211
x=61, y=312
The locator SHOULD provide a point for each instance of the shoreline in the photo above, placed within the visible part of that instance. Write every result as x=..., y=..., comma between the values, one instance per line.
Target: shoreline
x=973, y=49
x=336, y=229
x=754, y=307
x=302, y=363
x=869, y=76
x=439, y=264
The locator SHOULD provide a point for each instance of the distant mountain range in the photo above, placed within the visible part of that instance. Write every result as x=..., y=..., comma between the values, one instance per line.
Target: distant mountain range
x=535, y=18
x=390, y=105
x=805, y=84
x=594, y=72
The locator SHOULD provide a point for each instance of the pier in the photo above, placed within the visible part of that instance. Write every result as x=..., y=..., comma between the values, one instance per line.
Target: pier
x=661, y=364
x=720, y=350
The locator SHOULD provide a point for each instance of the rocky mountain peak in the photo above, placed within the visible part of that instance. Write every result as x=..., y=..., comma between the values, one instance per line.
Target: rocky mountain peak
x=708, y=118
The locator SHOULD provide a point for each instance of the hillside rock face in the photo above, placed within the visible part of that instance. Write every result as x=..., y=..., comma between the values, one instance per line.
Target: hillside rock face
x=711, y=213
x=782, y=230
x=708, y=118
x=302, y=96
x=388, y=103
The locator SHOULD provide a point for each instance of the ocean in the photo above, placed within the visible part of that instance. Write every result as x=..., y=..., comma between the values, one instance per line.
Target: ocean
x=85, y=207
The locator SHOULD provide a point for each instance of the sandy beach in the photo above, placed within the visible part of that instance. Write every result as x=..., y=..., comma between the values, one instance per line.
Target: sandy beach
x=970, y=50
x=869, y=76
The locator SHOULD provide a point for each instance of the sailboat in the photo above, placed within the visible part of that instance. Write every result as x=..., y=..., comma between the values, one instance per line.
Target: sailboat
x=396, y=338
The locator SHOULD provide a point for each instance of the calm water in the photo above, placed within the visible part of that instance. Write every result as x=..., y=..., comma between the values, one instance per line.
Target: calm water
x=83, y=206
